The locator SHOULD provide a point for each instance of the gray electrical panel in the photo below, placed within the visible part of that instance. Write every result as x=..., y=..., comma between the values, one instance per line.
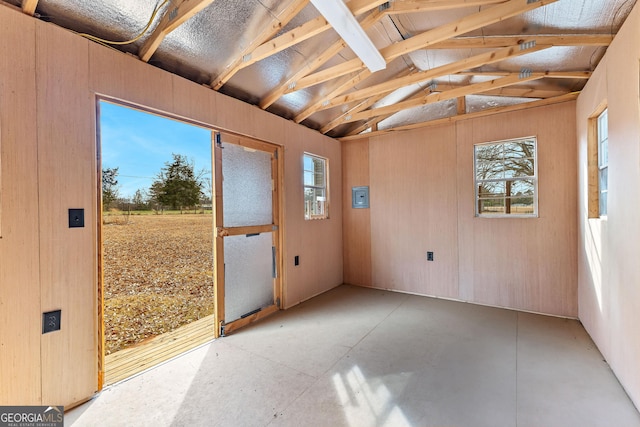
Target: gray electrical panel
x=360, y=197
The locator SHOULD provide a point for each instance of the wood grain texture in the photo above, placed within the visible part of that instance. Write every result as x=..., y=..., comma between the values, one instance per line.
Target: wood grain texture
x=422, y=199
x=356, y=223
x=523, y=263
x=20, y=317
x=609, y=297
x=67, y=179
x=413, y=210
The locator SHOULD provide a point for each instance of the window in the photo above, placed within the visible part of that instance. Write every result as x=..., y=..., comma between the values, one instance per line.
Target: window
x=603, y=162
x=598, y=162
x=316, y=198
x=506, y=178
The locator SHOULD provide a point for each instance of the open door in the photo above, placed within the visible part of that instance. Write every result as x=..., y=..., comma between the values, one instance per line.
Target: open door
x=247, y=246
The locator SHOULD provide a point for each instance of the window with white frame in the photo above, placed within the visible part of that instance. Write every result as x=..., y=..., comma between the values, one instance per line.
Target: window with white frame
x=603, y=162
x=316, y=195
x=506, y=178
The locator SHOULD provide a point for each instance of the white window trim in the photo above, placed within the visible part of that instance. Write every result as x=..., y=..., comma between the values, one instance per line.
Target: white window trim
x=534, y=178
x=325, y=187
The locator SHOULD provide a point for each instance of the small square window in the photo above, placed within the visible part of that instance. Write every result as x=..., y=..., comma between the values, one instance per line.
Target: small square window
x=316, y=194
x=506, y=179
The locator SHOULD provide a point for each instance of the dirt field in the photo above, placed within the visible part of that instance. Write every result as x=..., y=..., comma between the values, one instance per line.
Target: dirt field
x=158, y=275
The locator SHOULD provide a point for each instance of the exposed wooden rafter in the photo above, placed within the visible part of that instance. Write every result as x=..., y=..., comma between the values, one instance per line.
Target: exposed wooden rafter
x=315, y=63
x=287, y=14
x=301, y=33
x=394, y=8
x=29, y=6
x=356, y=107
x=175, y=15
x=423, y=40
x=504, y=41
x=444, y=70
x=442, y=96
x=448, y=120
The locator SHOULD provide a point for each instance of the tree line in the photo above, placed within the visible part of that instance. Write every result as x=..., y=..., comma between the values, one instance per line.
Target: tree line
x=175, y=187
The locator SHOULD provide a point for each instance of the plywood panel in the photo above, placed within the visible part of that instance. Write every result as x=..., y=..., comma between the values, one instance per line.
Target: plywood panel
x=126, y=78
x=413, y=210
x=68, y=179
x=20, y=318
x=193, y=101
x=608, y=267
x=356, y=223
x=530, y=263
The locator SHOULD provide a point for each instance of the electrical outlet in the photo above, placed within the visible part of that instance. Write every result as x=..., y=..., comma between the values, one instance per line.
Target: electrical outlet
x=429, y=256
x=51, y=321
x=76, y=218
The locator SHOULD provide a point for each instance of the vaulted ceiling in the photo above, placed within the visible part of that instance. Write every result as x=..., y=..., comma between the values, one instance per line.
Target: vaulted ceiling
x=446, y=59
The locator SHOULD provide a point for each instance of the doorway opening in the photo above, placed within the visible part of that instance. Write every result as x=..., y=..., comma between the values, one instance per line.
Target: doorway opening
x=157, y=237
x=190, y=239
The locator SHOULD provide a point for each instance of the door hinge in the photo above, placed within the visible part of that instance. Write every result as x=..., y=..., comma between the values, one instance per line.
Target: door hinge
x=219, y=139
x=278, y=302
x=275, y=154
x=222, y=328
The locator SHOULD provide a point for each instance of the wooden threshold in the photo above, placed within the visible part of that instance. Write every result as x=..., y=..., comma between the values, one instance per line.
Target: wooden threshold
x=130, y=361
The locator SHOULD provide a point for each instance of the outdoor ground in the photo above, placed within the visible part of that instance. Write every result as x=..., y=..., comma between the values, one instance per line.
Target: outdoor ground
x=158, y=274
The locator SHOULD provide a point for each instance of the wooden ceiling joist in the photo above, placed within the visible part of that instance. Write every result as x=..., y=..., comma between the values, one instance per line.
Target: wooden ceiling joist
x=423, y=40
x=359, y=106
x=443, y=70
x=315, y=63
x=448, y=120
x=394, y=8
x=29, y=6
x=277, y=23
x=413, y=6
x=301, y=33
x=594, y=40
x=176, y=14
x=443, y=96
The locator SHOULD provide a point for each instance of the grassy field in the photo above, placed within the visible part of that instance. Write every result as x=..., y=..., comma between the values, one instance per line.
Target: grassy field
x=158, y=275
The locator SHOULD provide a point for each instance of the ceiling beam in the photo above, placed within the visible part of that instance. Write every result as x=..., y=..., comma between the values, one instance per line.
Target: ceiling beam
x=359, y=106
x=441, y=71
x=303, y=32
x=277, y=23
x=594, y=40
x=374, y=121
x=412, y=6
x=448, y=120
x=550, y=74
x=514, y=91
x=315, y=63
x=29, y=6
x=469, y=23
x=424, y=5
x=443, y=96
x=176, y=14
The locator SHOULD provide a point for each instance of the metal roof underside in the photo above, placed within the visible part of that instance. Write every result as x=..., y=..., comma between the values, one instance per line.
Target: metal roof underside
x=445, y=58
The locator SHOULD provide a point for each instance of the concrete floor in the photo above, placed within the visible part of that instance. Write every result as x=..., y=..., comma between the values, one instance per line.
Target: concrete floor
x=363, y=357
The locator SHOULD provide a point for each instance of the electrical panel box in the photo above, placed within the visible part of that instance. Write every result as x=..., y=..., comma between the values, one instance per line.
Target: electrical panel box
x=360, y=197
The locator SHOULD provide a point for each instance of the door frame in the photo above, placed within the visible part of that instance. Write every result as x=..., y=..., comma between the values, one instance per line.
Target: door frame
x=218, y=139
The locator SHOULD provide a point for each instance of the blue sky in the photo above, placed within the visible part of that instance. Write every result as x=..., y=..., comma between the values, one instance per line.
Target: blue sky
x=140, y=143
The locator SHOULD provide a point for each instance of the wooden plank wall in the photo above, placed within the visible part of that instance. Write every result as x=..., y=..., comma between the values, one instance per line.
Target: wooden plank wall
x=66, y=179
x=50, y=81
x=20, y=316
x=608, y=267
x=422, y=199
x=356, y=222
